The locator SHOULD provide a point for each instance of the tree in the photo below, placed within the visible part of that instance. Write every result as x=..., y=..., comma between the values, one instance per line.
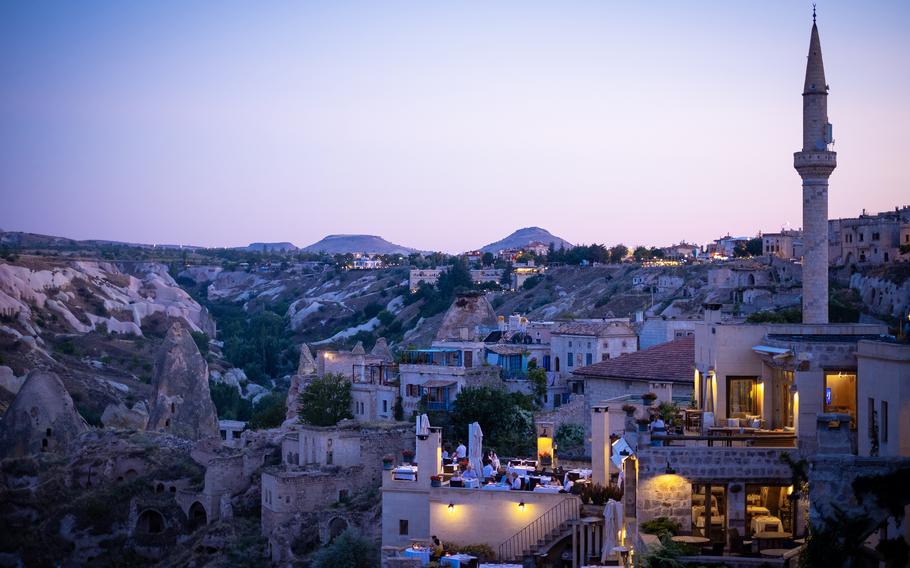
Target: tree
x=488, y=259
x=326, y=400
x=505, y=418
x=641, y=253
x=202, y=341
x=538, y=378
x=350, y=550
x=617, y=253
x=269, y=412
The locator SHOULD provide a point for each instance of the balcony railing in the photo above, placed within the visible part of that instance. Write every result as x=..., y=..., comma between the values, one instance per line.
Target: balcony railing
x=756, y=440
x=446, y=406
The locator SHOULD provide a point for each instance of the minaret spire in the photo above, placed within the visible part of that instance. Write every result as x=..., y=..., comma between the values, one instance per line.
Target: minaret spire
x=815, y=163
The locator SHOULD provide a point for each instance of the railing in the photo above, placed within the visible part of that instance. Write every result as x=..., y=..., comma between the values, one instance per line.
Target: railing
x=740, y=440
x=540, y=529
x=439, y=406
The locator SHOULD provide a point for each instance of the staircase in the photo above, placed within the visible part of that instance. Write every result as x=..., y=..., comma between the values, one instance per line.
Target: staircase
x=553, y=525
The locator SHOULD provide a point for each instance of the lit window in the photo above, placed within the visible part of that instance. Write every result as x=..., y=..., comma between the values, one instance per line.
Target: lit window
x=840, y=393
x=742, y=397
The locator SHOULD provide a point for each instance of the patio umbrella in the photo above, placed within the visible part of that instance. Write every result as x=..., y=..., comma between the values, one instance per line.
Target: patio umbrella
x=423, y=429
x=612, y=526
x=475, y=448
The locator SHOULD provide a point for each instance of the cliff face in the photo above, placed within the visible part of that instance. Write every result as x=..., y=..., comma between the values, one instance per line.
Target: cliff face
x=182, y=405
x=883, y=295
x=42, y=418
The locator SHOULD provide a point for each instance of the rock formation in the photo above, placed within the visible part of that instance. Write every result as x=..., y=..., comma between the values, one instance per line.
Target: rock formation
x=306, y=370
x=119, y=416
x=183, y=405
x=42, y=418
x=381, y=350
x=468, y=319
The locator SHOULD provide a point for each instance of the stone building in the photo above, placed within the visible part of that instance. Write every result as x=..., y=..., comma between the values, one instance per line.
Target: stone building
x=787, y=244
x=661, y=329
x=322, y=466
x=579, y=343
x=666, y=370
x=869, y=239
x=429, y=276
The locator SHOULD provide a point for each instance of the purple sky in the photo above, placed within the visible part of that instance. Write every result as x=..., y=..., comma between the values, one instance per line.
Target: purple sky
x=438, y=125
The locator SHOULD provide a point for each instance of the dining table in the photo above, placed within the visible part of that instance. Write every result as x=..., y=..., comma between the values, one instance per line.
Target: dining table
x=766, y=523
x=456, y=560
x=690, y=539
x=421, y=553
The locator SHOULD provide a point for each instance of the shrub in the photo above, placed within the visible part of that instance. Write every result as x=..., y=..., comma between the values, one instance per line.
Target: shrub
x=349, y=550
x=660, y=526
x=269, y=412
x=570, y=435
x=326, y=400
x=202, y=341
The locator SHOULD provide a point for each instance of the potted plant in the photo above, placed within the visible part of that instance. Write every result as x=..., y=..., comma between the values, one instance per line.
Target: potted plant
x=387, y=462
x=408, y=456
x=546, y=458
x=648, y=398
x=435, y=481
x=629, y=409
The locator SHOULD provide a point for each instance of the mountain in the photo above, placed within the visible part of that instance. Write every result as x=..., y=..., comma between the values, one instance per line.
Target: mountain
x=522, y=237
x=334, y=244
x=271, y=247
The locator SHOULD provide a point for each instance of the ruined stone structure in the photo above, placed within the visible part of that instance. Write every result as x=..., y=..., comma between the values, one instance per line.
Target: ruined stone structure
x=306, y=370
x=815, y=163
x=183, y=405
x=42, y=418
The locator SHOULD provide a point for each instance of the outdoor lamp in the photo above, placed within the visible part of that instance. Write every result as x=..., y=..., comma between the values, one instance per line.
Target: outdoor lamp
x=669, y=470
x=451, y=507
x=521, y=506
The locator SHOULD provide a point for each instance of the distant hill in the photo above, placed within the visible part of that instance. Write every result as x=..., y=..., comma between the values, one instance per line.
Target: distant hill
x=522, y=237
x=335, y=244
x=271, y=247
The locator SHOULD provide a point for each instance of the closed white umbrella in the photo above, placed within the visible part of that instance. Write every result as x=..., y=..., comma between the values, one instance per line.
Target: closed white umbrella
x=475, y=448
x=423, y=429
x=612, y=527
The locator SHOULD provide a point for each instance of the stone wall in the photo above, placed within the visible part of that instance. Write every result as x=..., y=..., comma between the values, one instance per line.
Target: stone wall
x=660, y=494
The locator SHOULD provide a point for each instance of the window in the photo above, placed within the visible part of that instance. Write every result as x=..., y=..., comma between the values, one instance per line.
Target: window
x=840, y=393
x=860, y=237
x=412, y=391
x=385, y=406
x=872, y=421
x=884, y=421
x=402, y=526
x=589, y=345
x=546, y=362
x=876, y=236
x=329, y=457
x=742, y=397
x=570, y=344
x=768, y=500
x=589, y=358
x=570, y=358
x=605, y=356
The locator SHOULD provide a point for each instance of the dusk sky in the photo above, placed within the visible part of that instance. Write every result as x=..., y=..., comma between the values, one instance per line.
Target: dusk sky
x=439, y=125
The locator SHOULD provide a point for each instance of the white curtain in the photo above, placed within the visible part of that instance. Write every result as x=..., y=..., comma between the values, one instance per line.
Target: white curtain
x=423, y=429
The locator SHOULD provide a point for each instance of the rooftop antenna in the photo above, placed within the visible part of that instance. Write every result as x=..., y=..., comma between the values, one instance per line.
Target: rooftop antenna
x=813, y=13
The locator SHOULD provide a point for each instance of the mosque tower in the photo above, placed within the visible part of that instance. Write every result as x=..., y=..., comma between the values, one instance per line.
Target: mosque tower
x=815, y=164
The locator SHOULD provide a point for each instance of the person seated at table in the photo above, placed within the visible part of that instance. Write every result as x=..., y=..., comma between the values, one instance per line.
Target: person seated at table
x=445, y=453
x=658, y=426
x=469, y=472
x=516, y=481
x=460, y=451
x=437, y=547
x=488, y=470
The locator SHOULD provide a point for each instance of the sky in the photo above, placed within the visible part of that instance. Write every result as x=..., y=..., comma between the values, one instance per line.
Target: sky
x=439, y=125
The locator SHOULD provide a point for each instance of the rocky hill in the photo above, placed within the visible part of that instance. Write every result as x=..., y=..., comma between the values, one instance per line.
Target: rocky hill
x=271, y=247
x=525, y=236
x=344, y=244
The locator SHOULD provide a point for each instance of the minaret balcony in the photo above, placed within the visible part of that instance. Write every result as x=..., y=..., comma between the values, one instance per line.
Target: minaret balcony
x=815, y=163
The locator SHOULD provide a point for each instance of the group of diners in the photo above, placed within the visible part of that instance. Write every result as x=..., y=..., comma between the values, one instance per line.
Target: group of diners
x=515, y=475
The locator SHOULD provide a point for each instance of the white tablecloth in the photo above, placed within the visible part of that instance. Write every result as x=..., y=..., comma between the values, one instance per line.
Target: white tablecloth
x=521, y=470
x=422, y=553
x=405, y=472
x=455, y=560
x=496, y=487
x=547, y=489
x=757, y=510
x=471, y=483
x=766, y=524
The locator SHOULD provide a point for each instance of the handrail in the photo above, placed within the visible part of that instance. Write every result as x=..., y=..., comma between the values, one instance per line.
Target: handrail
x=541, y=527
x=726, y=440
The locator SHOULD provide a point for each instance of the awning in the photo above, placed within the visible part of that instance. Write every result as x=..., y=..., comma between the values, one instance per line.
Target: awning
x=776, y=352
x=438, y=383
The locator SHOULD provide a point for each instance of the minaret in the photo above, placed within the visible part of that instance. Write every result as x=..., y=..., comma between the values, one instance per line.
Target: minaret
x=815, y=164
